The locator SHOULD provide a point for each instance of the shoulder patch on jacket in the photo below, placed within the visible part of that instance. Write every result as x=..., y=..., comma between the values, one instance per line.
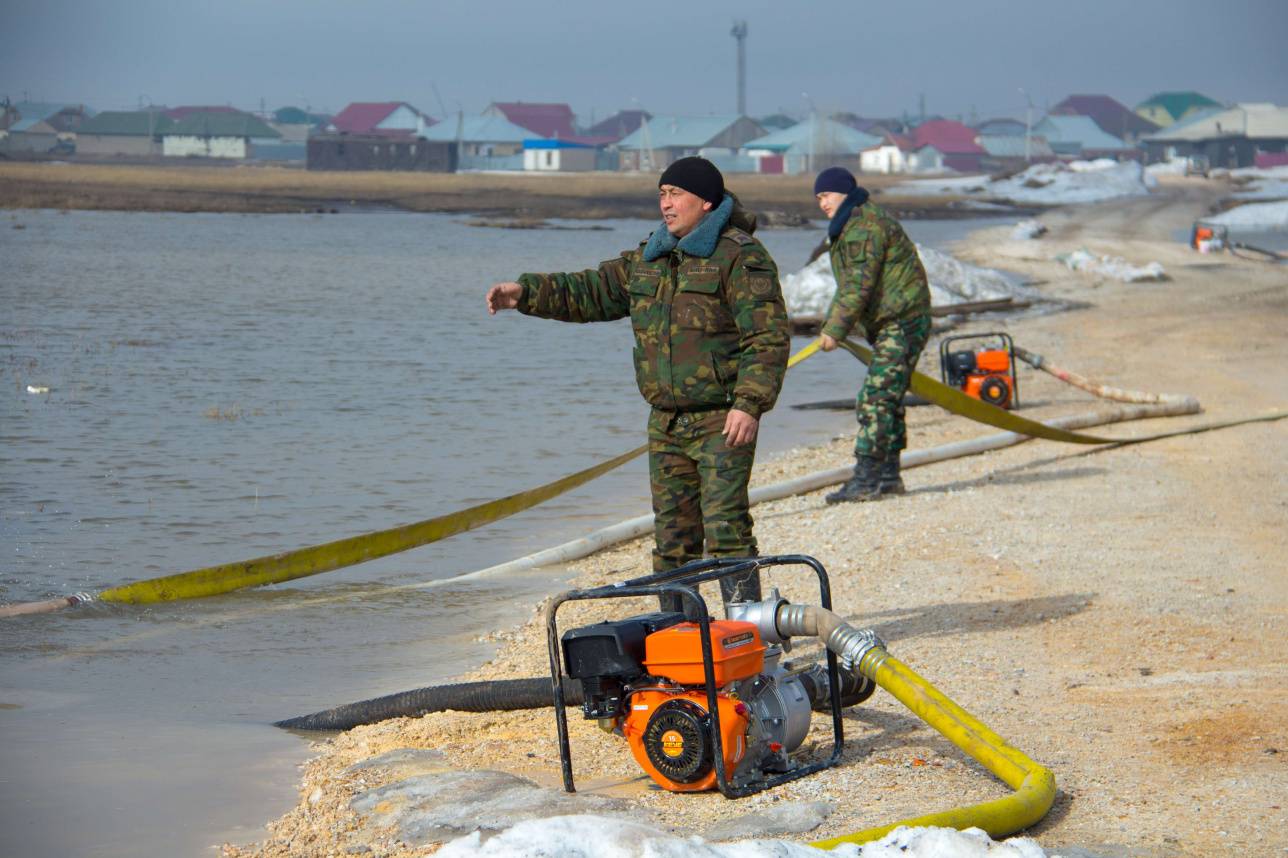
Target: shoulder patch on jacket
x=737, y=236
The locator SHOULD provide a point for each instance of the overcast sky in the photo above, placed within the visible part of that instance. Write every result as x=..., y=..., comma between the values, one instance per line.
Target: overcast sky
x=872, y=58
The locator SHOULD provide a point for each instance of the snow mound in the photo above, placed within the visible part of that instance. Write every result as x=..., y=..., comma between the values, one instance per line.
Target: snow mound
x=1077, y=182
x=1047, y=184
x=604, y=837
x=1028, y=229
x=1270, y=216
x=1111, y=266
x=808, y=292
x=1170, y=167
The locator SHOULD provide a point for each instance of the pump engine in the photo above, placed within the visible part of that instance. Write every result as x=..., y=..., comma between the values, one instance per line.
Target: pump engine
x=644, y=679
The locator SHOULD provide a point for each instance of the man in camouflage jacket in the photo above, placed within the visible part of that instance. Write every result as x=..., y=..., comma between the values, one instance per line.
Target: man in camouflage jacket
x=881, y=294
x=711, y=347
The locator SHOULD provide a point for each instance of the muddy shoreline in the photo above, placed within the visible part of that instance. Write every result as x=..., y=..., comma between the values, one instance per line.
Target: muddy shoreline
x=785, y=200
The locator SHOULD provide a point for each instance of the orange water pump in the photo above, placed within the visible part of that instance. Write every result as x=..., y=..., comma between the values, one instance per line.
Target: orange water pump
x=703, y=703
x=986, y=373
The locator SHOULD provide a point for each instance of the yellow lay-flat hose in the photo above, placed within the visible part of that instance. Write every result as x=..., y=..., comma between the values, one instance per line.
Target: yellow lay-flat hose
x=1034, y=784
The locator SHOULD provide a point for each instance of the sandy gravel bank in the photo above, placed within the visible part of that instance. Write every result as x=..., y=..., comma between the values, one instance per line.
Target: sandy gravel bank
x=1117, y=613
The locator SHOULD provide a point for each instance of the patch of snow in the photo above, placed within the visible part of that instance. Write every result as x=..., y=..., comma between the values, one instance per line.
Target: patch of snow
x=603, y=837
x=1089, y=182
x=1111, y=266
x=1171, y=167
x=1046, y=184
x=808, y=292
x=1028, y=229
x=1267, y=216
x=1267, y=190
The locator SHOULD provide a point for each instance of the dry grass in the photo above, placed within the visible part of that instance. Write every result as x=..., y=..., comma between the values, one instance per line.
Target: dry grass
x=278, y=189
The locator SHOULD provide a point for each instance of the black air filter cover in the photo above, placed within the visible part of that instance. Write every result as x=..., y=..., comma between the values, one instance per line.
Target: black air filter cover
x=613, y=647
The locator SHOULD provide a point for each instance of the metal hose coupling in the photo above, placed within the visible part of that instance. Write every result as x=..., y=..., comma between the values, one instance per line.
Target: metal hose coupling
x=849, y=644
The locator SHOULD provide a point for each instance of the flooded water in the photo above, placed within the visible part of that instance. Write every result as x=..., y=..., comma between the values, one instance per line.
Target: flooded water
x=222, y=387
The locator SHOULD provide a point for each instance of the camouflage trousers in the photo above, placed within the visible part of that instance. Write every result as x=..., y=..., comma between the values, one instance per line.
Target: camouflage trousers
x=879, y=407
x=699, y=488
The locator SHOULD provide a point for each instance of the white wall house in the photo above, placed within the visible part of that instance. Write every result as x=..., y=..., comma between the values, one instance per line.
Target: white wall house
x=557, y=156
x=215, y=135
x=885, y=158
x=191, y=146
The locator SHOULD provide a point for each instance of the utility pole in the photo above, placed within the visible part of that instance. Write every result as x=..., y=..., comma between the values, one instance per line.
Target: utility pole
x=1028, y=127
x=739, y=32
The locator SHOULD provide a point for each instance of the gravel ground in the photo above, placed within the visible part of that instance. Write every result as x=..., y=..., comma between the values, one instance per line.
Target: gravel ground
x=1116, y=613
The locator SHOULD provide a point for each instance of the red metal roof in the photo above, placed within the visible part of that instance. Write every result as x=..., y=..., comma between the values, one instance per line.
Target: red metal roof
x=1112, y=116
x=949, y=137
x=547, y=120
x=362, y=117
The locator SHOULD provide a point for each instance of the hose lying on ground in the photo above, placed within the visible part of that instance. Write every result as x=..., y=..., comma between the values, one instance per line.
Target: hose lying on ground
x=498, y=695
x=1103, y=391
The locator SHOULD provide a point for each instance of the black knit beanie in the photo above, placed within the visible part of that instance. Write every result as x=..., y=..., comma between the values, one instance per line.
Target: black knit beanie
x=836, y=179
x=697, y=176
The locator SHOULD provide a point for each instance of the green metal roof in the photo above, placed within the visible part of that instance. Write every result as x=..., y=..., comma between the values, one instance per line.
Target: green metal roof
x=127, y=123
x=1177, y=103
x=221, y=124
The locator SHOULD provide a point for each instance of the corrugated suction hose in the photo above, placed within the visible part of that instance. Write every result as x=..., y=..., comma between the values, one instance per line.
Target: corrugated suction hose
x=492, y=696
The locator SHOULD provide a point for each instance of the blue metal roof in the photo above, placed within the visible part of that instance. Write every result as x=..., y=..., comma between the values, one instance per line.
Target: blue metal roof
x=477, y=129
x=543, y=143
x=687, y=132
x=1063, y=132
x=820, y=136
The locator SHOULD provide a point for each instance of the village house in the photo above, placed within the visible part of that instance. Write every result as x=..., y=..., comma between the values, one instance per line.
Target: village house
x=1165, y=108
x=215, y=134
x=663, y=139
x=620, y=124
x=953, y=145
x=1001, y=127
x=1007, y=152
x=390, y=118
x=123, y=133
x=32, y=136
x=558, y=156
x=1081, y=137
x=1246, y=135
x=1112, y=117
x=551, y=121
x=809, y=146
x=379, y=152
x=485, y=142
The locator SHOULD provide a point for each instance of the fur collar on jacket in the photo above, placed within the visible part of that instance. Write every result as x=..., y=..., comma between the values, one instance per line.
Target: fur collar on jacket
x=701, y=242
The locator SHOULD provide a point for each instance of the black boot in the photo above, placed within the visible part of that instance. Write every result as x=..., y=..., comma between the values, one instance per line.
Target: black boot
x=891, y=482
x=865, y=485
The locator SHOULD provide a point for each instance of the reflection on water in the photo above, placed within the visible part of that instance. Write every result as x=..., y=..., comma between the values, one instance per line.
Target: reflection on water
x=228, y=386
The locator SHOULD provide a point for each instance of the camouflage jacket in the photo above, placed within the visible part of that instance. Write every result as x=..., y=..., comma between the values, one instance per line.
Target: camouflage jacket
x=708, y=313
x=879, y=276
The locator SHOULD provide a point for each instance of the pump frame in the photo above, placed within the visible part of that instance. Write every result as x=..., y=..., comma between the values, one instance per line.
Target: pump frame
x=1007, y=343
x=683, y=582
